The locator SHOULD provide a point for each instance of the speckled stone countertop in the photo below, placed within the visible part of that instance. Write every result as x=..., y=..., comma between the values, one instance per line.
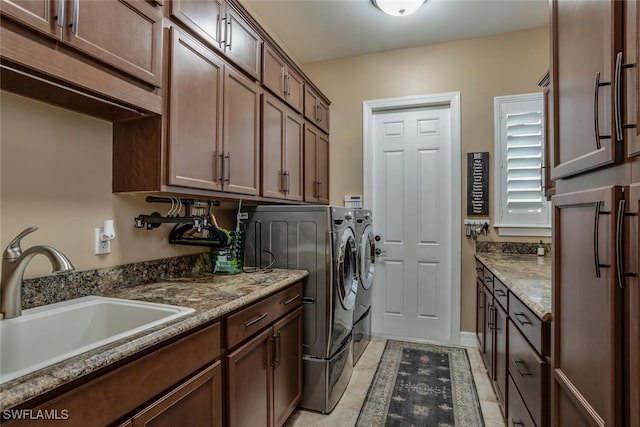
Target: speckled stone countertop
x=210, y=295
x=527, y=276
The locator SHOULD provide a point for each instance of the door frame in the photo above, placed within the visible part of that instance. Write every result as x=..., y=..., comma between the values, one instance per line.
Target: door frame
x=452, y=100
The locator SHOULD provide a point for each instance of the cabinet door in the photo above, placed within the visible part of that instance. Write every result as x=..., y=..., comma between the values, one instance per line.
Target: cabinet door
x=316, y=109
x=195, y=114
x=481, y=301
x=273, y=70
x=196, y=403
x=586, y=37
x=489, y=337
x=316, y=165
x=587, y=310
x=633, y=305
x=310, y=163
x=293, y=155
x=323, y=168
x=126, y=34
x=45, y=16
x=242, y=44
x=250, y=383
x=203, y=17
x=501, y=355
x=287, y=374
x=294, y=93
x=273, y=136
x=241, y=134
x=630, y=77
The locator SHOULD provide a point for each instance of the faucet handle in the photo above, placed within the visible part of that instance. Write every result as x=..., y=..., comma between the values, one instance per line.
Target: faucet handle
x=13, y=250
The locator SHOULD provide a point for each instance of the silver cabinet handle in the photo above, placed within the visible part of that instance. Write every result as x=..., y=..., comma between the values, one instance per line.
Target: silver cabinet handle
x=228, y=157
x=616, y=97
x=596, y=124
x=288, y=182
x=292, y=299
x=76, y=16
x=283, y=181
x=221, y=157
x=526, y=320
x=256, y=320
x=222, y=29
x=524, y=373
x=60, y=17
x=229, y=34
x=596, y=237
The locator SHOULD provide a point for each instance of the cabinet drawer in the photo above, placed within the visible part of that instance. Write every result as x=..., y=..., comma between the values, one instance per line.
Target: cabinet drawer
x=252, y=319
x=480, y=270
x=501, y=292
x=518, y=415
x=104, y=400
x=527, y=322
x=488, y=279
x=528, y=373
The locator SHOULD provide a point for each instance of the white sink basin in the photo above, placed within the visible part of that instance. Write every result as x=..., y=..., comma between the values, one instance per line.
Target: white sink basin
x=49, y=334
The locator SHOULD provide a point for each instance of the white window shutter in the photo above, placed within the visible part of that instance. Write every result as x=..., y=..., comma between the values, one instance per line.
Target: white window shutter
x=520, y=153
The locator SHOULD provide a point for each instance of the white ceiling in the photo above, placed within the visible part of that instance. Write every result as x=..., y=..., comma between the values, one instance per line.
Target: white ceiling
x=320, y=30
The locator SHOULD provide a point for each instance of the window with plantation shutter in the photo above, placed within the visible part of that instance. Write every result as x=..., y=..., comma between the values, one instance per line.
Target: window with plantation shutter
x=521, y=206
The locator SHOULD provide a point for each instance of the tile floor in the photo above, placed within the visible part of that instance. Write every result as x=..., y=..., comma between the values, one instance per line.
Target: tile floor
x=346, y=412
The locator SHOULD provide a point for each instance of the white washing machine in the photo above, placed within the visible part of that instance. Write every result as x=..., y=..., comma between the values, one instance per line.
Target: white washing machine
x=321, y=240
x=366, y=263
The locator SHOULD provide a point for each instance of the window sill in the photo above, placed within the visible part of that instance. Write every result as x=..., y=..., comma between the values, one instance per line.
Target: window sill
x=513, y=230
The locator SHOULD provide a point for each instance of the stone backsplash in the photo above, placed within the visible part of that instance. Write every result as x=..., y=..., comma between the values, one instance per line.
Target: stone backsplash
x=522, y=248
x=61, y=287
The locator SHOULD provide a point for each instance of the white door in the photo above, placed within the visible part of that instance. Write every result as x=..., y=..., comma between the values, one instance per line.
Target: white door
x=412, y=213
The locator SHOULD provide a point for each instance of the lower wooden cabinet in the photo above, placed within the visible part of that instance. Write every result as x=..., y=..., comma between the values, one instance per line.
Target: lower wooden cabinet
x=264, y=375
x=514, y=344
x=196, y=403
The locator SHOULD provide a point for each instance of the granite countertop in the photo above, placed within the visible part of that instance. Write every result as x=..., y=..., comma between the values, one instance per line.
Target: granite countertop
x=527, y=276
x=211, y=296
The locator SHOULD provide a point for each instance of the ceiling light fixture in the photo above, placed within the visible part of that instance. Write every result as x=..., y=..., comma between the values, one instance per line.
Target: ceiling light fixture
x=398, y=7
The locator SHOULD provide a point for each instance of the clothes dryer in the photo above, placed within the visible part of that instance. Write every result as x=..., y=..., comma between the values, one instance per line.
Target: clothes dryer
x=321, y=240
x=366, y=263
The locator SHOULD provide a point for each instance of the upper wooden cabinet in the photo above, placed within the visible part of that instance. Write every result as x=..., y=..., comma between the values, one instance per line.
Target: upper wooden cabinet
x=219, y=25
x=196, y=77
x=126, y=34
x=630, y=77
x=212, y=130
x=316, y=165
x=587, y=35
x=316, y=108
x=281, y=79
x=282, y=150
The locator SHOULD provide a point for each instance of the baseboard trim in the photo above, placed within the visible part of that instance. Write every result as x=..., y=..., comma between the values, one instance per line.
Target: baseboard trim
x=468, y=339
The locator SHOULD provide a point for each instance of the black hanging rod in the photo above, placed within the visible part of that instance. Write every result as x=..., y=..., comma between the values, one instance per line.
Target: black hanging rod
x=155, y=199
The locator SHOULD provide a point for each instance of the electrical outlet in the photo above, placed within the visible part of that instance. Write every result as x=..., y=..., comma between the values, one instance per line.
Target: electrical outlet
x=101, y=247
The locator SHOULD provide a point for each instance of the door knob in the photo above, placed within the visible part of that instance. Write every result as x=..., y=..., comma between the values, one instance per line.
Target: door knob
x=378, y=238
x=380, y=252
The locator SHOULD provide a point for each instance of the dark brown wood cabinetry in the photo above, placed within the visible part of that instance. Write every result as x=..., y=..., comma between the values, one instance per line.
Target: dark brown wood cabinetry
x=282, y=150
x=594, y=369
x=513, y=343
x=587, y=356
x=586, y=38
x=88, y=26
x=316, y=165
x=212, y=129
x=174, y=372
x=196, y=78
x=264, y=373
x=279, y=77
x=219, y=25
x=316, y=108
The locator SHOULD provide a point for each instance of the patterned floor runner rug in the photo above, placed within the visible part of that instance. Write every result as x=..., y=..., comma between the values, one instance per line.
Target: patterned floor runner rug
x=421, y=385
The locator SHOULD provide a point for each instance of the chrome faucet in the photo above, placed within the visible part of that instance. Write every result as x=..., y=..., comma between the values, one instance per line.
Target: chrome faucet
x=14, y=262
